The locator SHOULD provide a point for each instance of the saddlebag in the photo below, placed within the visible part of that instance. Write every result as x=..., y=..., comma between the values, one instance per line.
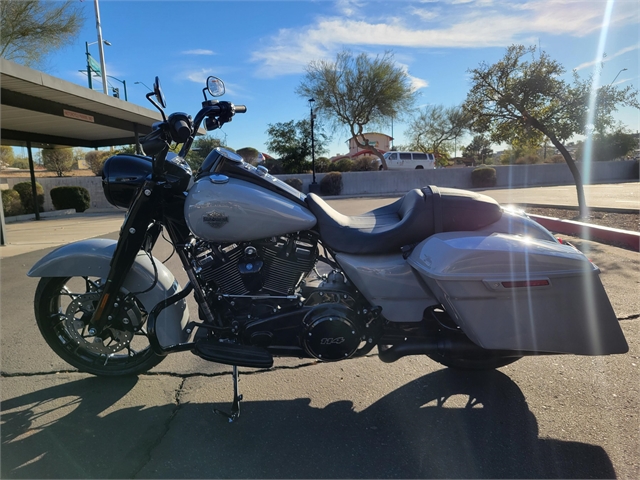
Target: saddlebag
x=509, y=292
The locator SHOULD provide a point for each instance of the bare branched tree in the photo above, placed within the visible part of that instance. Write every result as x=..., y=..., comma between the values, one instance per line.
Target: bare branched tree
x=436, y=128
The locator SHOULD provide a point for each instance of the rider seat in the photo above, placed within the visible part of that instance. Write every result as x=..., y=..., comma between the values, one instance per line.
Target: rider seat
x=407, y=221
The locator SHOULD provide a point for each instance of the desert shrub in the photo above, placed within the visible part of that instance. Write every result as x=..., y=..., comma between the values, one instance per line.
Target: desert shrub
x=342, y=165
x=331, y=184
x=11, y=203
x=21, y=163
x=70, y=197
x=366, y=164
x=295, y=183
x=26, y=196
x=528, y=160
x=322, y=164
x=483, y=177
x=556, y=159
x=95, y=160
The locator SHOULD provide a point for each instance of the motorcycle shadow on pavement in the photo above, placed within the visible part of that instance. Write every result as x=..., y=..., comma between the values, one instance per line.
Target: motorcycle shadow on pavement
x=443, y=425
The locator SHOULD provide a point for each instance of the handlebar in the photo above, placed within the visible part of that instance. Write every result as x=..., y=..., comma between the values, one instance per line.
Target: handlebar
x=183, y=130
x=241, y=108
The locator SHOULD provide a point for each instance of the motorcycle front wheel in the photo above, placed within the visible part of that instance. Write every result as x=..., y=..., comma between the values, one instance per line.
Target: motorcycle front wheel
x=63, y=308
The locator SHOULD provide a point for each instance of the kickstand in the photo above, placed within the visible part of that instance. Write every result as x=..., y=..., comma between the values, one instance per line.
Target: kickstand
x=235, y=407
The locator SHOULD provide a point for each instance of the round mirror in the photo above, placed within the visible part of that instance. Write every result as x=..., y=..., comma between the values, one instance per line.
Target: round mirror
x=215, y=86
x=157, y=90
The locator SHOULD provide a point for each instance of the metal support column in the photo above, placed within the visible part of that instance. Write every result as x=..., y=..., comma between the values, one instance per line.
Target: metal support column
x=34, y=190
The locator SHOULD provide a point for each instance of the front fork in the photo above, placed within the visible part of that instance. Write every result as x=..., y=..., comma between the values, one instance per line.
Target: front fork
x=131, y=240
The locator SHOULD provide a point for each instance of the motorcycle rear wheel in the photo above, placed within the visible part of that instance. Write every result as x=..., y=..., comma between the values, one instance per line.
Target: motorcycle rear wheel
x=63, y=307
x=489, y=361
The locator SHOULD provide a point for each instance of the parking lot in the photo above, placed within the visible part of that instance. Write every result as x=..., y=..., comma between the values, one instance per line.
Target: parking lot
x=541, y=417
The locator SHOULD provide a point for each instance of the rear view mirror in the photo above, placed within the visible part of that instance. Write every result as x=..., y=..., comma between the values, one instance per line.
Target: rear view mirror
x=157, y=90
x=215, y=86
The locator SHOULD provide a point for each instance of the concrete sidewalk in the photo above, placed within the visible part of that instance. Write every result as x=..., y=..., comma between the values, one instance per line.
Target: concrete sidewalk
x=29, y=235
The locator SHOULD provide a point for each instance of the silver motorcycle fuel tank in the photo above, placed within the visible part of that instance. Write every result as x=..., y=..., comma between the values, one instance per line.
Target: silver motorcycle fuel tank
x=223, y=210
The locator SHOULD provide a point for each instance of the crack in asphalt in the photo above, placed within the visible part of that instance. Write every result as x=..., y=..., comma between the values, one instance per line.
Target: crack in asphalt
x=169, y=374
x=634, y=316
x=167, y=426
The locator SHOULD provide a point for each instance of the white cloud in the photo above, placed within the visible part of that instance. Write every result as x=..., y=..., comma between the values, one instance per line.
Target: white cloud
x=475, y=24
x=199, y=51
x=199, y=76
x=349, y=7
x=425, y=14
x=630, y=48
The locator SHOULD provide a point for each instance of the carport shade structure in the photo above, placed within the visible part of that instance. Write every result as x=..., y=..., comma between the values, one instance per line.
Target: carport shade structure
x=42, y=111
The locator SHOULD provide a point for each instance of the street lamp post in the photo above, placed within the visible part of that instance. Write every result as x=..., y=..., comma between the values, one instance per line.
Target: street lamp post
x=91, y=69
x=101, y=49
x=123, y=82
x=314, y=187
x=141, y=83
x=614, y=78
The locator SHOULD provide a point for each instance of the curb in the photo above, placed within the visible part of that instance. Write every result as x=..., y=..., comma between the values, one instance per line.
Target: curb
x=32, y=216
x=587, y=231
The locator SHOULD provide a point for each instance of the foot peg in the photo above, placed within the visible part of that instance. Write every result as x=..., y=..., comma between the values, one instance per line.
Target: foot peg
x=234, y=354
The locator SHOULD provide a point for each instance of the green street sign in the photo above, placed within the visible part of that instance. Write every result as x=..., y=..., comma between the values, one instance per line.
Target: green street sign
x=94, y=66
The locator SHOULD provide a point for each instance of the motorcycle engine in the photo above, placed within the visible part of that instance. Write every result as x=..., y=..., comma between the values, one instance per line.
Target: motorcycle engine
x=272, y=266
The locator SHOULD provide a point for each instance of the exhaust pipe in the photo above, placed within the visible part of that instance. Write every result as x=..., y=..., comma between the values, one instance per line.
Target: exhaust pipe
x=449, y=346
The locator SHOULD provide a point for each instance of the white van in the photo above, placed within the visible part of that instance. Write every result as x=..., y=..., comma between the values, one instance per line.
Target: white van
x=409, y=160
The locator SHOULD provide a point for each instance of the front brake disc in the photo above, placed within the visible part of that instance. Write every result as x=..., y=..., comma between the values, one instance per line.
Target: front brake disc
x=107, y=342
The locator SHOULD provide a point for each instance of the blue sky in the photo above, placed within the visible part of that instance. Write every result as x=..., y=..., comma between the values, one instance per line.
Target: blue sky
x=260, y=48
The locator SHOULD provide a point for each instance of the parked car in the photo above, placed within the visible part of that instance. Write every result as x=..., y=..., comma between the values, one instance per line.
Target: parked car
x=409, y=160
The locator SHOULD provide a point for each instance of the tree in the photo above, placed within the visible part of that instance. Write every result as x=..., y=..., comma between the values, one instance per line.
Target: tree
x=59, y=160
x=436, y=128
x=609, y=146
x=516, y=98
x=479, y=148
x=7, y=156
x=291, y=141
x=95, y=160
x=31, y=29
x=356, y=91
x=201, y=147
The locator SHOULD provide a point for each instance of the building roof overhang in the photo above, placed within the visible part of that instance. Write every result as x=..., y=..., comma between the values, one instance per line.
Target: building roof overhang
x=51, y=112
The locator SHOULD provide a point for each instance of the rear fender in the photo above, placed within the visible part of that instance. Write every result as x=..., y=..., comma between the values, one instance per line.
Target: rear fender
x=93, y=257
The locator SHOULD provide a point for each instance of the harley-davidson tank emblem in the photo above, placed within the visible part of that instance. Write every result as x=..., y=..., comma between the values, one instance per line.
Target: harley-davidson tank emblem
x=215, y=219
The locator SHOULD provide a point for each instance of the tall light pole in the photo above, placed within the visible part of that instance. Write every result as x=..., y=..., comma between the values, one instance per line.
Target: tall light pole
x=313, y=149
x=90, y=68
x=614, y=78
x=141, y=83
x=103, y=67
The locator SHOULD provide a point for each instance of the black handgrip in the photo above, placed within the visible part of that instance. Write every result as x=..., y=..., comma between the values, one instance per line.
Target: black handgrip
x=240, y=108
x=182, y=130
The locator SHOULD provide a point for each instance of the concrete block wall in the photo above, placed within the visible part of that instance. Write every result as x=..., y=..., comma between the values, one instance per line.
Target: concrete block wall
x=398, y=182
x=392, y=182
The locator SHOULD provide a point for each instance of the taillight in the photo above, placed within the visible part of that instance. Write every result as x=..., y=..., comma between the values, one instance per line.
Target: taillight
x=526, y=283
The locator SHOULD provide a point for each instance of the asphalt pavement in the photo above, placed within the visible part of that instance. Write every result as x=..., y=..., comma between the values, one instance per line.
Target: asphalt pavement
x=541, y=417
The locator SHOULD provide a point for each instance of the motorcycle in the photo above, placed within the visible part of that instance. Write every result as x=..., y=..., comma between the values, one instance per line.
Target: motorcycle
x=440, y=272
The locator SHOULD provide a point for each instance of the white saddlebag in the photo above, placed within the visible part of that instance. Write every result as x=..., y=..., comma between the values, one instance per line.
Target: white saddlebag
x=508, y=292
